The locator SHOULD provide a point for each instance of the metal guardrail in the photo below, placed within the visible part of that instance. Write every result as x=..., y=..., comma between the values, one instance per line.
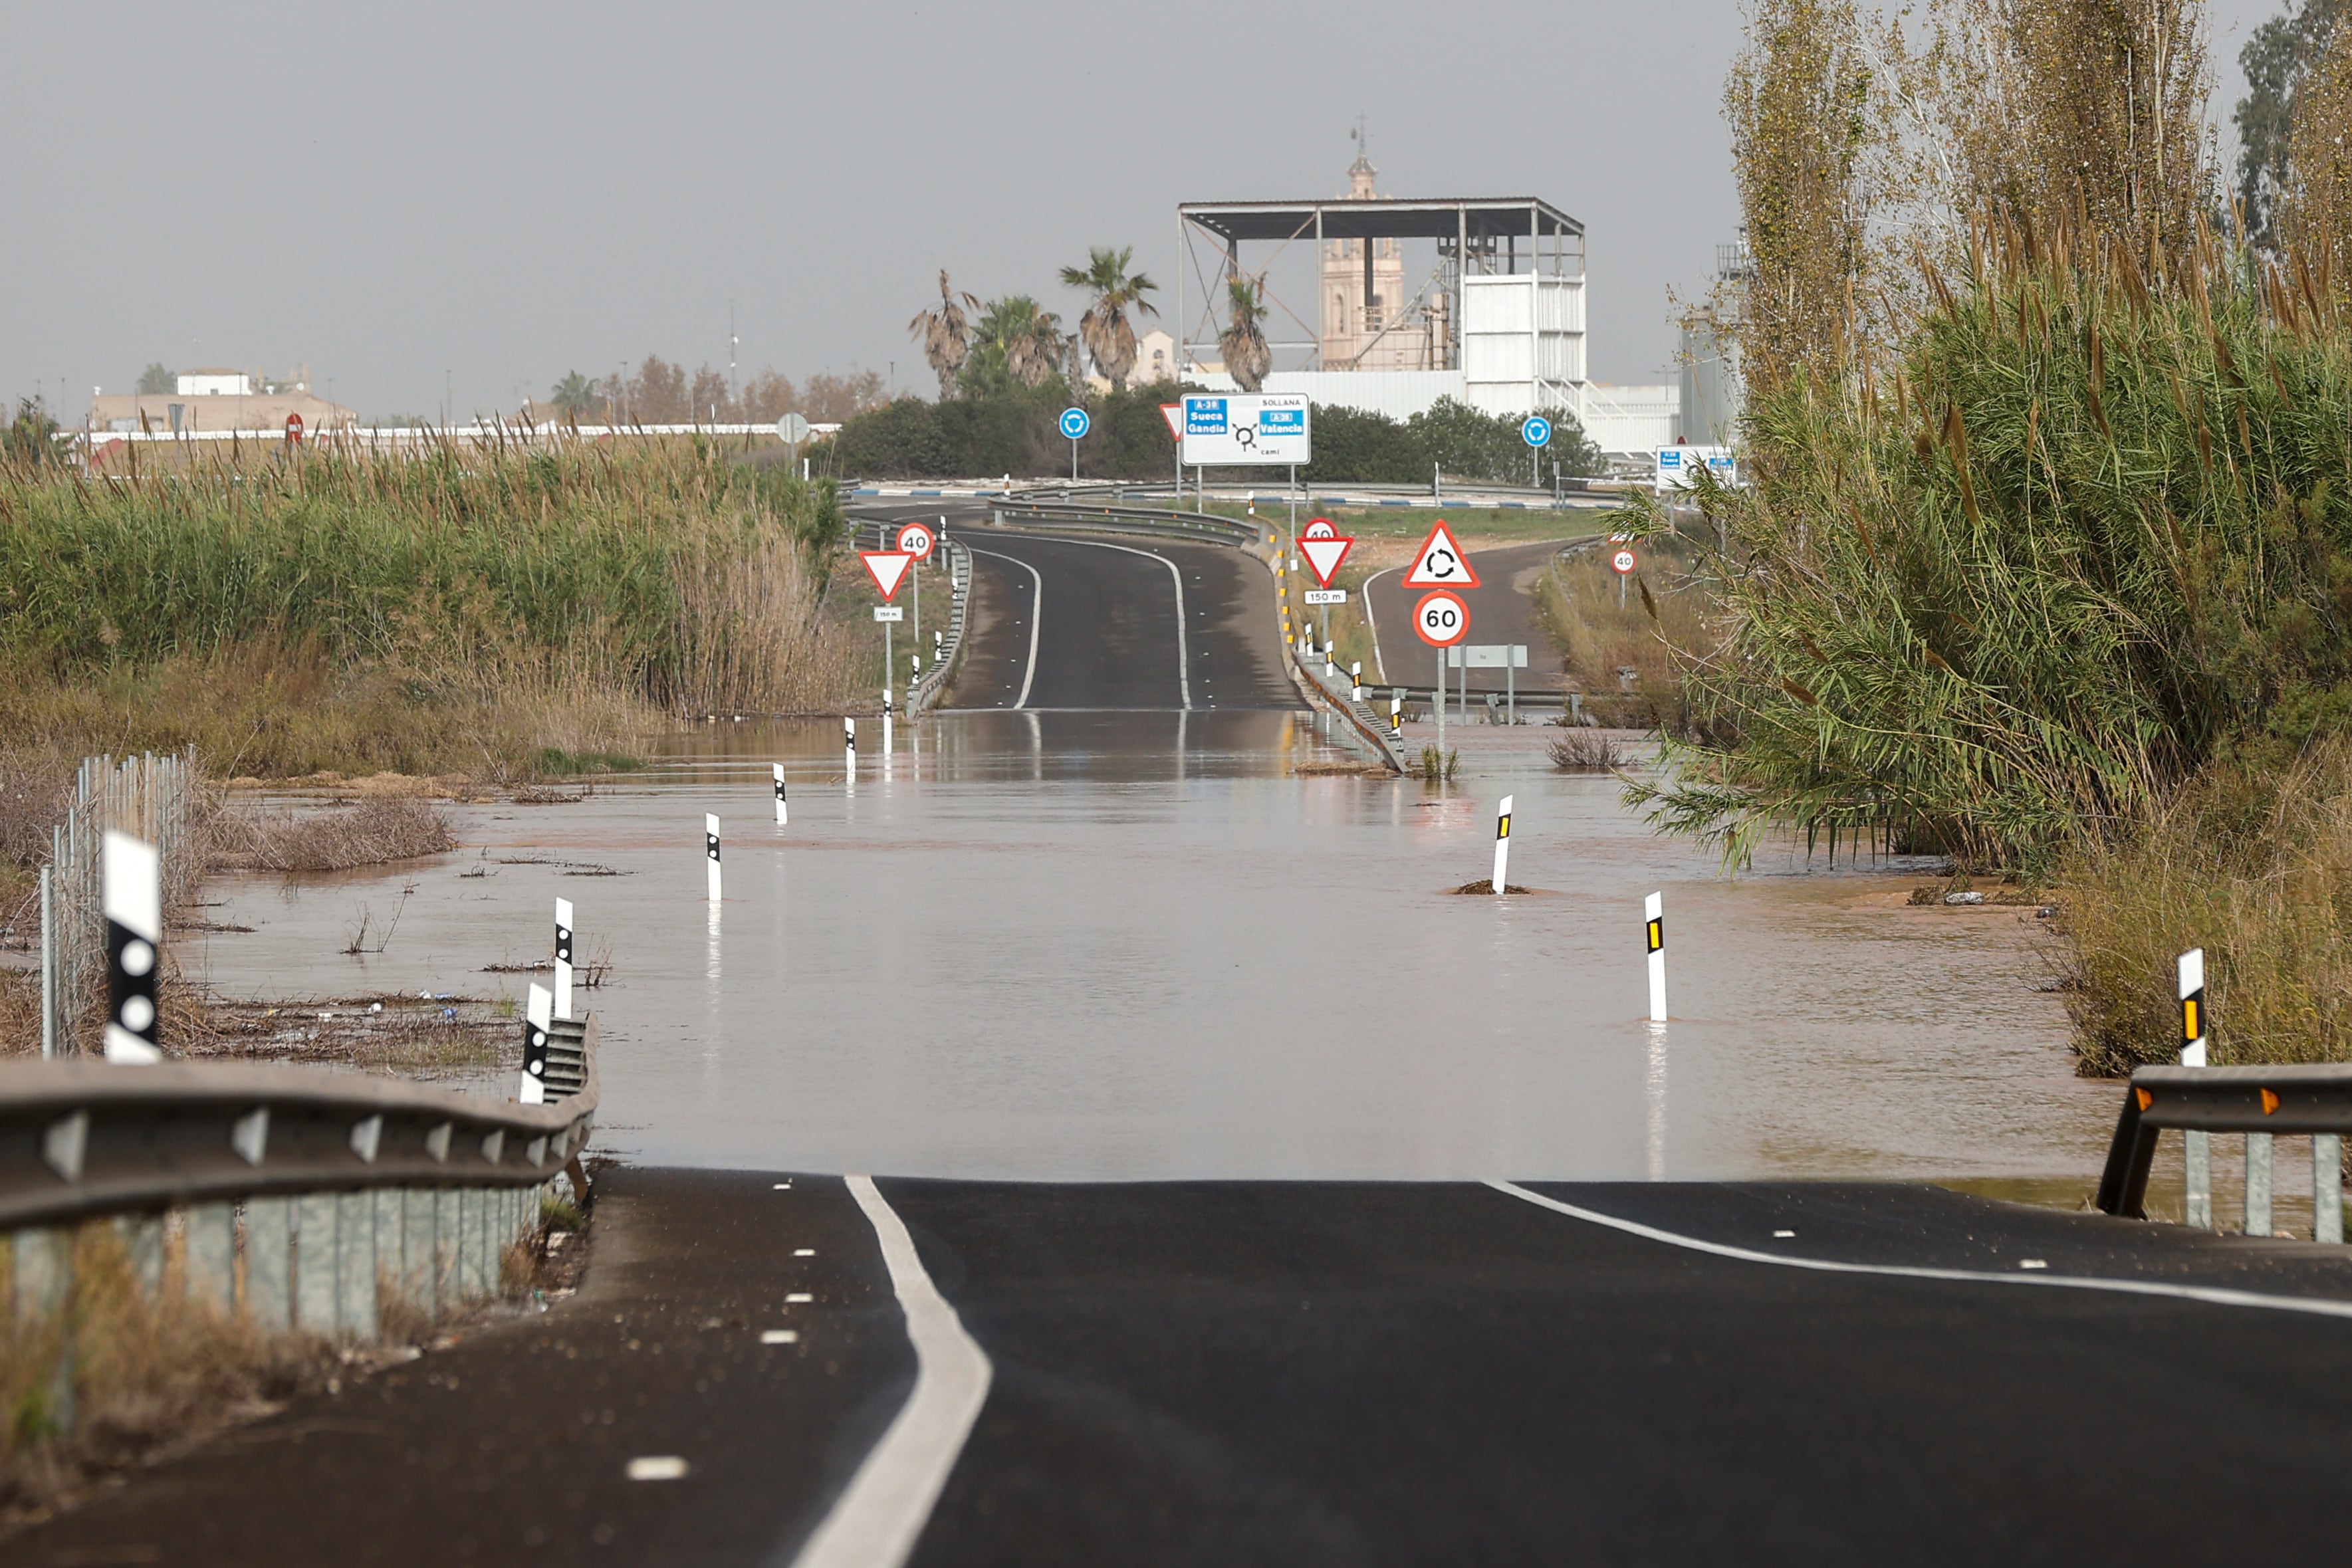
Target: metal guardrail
x=2259, y=1102
x=1339, y=695
x=331, y=1186
x=927, y=692
x=1164, y=523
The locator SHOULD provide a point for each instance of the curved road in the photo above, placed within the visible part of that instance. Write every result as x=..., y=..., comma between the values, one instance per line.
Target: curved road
x=1502, y=610
x=1117, y=622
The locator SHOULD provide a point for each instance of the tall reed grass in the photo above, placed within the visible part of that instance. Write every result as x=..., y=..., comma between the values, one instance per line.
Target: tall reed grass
x=460, y=609
x=2086, y=533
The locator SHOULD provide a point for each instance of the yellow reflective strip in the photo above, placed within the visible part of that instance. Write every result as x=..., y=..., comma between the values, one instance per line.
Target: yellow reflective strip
x=1503, y=828
x=1657, y=937
x=2188, y=1019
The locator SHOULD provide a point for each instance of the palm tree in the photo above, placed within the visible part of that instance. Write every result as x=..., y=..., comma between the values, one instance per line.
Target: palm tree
x=1109, y=339
x=1247, y=357
x=1013, y=338
x=575, y=395
x=945, y=334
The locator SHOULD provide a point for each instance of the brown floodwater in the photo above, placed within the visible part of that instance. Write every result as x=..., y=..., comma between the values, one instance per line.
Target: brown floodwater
x=1144, y=944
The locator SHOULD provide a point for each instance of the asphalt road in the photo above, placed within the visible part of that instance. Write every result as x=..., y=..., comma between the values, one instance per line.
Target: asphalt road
x=1062, y=622
x=1331, y=1372
x=1501, y=610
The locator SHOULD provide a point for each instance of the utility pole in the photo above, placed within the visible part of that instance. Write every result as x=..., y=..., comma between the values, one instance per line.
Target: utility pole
x=732, y=342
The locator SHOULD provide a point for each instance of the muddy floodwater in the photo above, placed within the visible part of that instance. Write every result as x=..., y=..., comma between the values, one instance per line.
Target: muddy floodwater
x=1145, y=944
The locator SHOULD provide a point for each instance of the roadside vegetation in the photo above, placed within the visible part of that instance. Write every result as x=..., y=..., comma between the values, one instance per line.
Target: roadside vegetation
x=2046, y=563
x=480, y=610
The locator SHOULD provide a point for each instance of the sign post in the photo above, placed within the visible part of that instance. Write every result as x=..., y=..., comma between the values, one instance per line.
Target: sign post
x=1441, y=620
x=918, y=540
x=1323, y=550
x=1440, y=564
x=1536, y=431
x=1074, y=424
x=889, y=569
x=1623, y=563
x=1654, y=936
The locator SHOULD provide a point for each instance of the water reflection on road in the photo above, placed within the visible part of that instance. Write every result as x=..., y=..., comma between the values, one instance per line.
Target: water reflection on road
x=1089, y=944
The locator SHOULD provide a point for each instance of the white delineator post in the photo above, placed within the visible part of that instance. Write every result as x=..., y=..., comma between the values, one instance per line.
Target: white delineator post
x=563, y=958
x=849, y=746
x=133, y=900
x=885, y=722
x=710, y=852
x=1356, y=681
x=2197, y=1148
x=535, y=1016
x=1653, y=933
x=1503, y=845
x=782, y=816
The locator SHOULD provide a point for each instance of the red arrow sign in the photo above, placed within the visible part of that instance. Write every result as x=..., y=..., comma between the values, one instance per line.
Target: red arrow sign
x=1324, y=555
x=887, y=568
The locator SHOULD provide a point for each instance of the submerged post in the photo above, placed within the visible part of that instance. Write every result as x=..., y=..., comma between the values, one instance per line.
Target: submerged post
x=1653, y=933
x=1503, y=846
x=710, y=852
x=536, y=1017
x=781, y=813
x=2196, y=1148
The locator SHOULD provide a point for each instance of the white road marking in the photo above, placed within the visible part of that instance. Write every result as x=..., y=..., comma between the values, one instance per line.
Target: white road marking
x=2210, y=1294
x=797, y=1297
x=1373, y=626
x=803, y=1251
x=1183, y=658
x=877, y=1520
x=656, y=1468
x=1782, y=1234
x=1036, y=616
x=779, y=1336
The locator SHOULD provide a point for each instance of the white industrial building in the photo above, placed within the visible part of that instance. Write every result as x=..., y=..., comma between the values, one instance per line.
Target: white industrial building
x=1478, y=299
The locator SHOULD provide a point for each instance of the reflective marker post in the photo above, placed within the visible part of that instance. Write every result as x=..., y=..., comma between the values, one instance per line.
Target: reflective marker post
x=1503, y=847
x=710, y=852
x=2196, y=1148
x=782, y=814
x=1653, y=933
x=133, y=899
x=536, y=1017
x=563, y=958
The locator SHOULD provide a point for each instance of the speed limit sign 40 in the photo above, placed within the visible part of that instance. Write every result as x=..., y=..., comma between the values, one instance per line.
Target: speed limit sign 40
x=1441, y=619
x=1622, y=560
x=915, y=539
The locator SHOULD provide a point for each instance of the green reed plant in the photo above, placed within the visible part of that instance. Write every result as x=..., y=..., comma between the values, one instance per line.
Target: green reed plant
x=2084, y=532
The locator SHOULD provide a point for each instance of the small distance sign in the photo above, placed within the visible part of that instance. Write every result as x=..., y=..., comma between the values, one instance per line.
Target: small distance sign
x=1622, y=561
x=1441, y=619
x=1535, y=430
x=890, y=612
x=1327, y=596
x=916, y=541
x=1075, y=422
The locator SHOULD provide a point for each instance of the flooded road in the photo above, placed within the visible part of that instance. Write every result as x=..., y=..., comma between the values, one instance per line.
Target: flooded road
x=1140, y=945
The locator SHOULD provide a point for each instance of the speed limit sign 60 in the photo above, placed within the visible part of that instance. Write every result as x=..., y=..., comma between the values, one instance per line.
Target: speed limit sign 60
x=1622, y=560
x=1441, y=619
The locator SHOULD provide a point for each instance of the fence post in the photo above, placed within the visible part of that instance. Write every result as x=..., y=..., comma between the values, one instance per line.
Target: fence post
x=2327, y=1187
x=2258, y=1184
x=212, y=1255
x=270, y=1261
x=49, y=951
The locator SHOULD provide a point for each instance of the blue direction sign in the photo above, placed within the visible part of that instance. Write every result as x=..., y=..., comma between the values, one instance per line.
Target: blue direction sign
x=1075, y=422
x=1536, y=431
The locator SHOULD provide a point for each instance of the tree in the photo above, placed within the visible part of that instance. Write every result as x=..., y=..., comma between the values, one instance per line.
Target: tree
x=31, y=438
x=708, y=400
x=1014, y=342
x=2314, y=214
x=575, y=395
x=657, y=393
x=1242, y=342
x=1109, y=337
x=2278, y=58
x=946, y=335
x=157, y=382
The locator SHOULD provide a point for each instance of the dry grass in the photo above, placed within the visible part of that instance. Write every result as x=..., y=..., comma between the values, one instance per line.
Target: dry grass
x=1587, y=751
x=144, y=1374
x=373, y=830
x=1662, y=609
x=2255, y=870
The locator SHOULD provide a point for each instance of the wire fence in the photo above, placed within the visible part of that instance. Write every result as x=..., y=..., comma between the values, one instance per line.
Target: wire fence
x=149, y=797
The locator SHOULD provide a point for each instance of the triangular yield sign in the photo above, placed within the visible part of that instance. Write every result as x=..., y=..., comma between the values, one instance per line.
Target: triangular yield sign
x=1440, y=563
x=1324, y=555
x=1173, y=413
x=887, y=568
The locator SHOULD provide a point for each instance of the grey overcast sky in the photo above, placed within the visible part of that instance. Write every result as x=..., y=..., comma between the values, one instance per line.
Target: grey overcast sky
x=490, y=195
